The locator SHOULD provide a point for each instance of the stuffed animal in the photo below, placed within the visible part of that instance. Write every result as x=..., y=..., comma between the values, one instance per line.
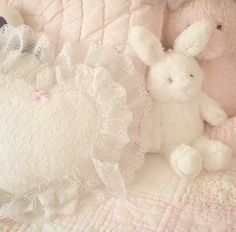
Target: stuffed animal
x=9, y=15
x=218, y=60
x=180, y=106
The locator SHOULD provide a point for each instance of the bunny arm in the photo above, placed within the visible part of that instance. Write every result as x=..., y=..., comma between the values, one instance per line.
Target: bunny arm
x=225, y=133
x=211, y=111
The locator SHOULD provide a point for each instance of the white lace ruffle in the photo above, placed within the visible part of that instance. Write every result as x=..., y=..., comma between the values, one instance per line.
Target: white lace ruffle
x=68, y=123
x=123, y=71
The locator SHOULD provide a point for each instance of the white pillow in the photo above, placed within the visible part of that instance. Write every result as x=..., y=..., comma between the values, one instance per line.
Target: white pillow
x=67, y=123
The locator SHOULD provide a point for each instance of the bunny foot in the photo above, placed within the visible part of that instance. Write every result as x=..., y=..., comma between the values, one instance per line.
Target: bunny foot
x=186, y=161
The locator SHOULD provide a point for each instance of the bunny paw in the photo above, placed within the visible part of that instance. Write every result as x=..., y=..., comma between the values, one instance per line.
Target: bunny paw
x=218, y=156
x=218, y=117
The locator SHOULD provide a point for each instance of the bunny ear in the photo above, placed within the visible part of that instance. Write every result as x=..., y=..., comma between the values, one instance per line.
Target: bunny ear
x=147, y=46
x=176, y=4
x=193, y=40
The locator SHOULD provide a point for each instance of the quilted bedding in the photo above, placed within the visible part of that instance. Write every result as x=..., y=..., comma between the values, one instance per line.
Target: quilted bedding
x=159, y=200
x=103, y=21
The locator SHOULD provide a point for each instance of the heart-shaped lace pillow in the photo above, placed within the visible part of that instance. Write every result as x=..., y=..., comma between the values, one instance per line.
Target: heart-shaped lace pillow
x=47, y=133
x=67, y=124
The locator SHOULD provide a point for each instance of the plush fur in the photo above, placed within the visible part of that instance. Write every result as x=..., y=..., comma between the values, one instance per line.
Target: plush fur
x=219, y=59
x=180, y=107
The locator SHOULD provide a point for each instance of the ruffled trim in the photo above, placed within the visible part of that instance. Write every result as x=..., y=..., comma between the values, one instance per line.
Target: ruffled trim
x=105, y=72
x=123, y=71
x=33, y=48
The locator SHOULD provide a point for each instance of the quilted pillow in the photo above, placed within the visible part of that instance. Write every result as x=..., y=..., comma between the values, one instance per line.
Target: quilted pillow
x=105, y=22
x=67, y=123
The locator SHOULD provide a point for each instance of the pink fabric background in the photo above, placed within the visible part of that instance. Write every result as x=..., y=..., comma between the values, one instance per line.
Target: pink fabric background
x=103, y=21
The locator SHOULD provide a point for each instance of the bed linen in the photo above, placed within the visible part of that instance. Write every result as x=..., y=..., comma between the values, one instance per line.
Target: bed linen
x=158, y=201
x=161, y=202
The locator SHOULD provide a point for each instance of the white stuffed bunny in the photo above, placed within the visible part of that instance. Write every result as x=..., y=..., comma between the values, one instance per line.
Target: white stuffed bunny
x=180, y=107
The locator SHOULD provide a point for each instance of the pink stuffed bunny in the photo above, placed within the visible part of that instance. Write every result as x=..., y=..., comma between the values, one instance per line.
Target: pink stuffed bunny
x=218, y=60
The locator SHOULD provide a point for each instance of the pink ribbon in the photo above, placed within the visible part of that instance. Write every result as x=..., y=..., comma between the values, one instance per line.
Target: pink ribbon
x=40, y=95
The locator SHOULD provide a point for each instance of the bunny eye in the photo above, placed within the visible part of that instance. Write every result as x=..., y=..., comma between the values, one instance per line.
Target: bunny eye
x=219, y=27
x=170, y=80
x=191, y=75
x=3, y=21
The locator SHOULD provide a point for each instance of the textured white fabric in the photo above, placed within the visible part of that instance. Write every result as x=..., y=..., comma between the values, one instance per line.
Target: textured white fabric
x=67, y=123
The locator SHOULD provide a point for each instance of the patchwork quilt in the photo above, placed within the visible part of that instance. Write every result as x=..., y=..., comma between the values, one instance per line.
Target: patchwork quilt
x=158, y=201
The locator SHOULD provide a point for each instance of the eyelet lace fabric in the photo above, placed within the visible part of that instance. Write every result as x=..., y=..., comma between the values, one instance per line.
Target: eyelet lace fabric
x=68, y=123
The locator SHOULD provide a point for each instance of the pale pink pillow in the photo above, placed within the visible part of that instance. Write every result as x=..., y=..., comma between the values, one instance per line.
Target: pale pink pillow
x=104, y=21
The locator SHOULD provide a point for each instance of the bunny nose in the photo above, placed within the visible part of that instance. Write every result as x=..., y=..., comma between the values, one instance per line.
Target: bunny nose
x=219, y=26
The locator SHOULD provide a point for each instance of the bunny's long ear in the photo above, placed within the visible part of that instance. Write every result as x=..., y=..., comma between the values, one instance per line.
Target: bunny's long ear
x=176, y=4
x=147, y=46
x=193, y=40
